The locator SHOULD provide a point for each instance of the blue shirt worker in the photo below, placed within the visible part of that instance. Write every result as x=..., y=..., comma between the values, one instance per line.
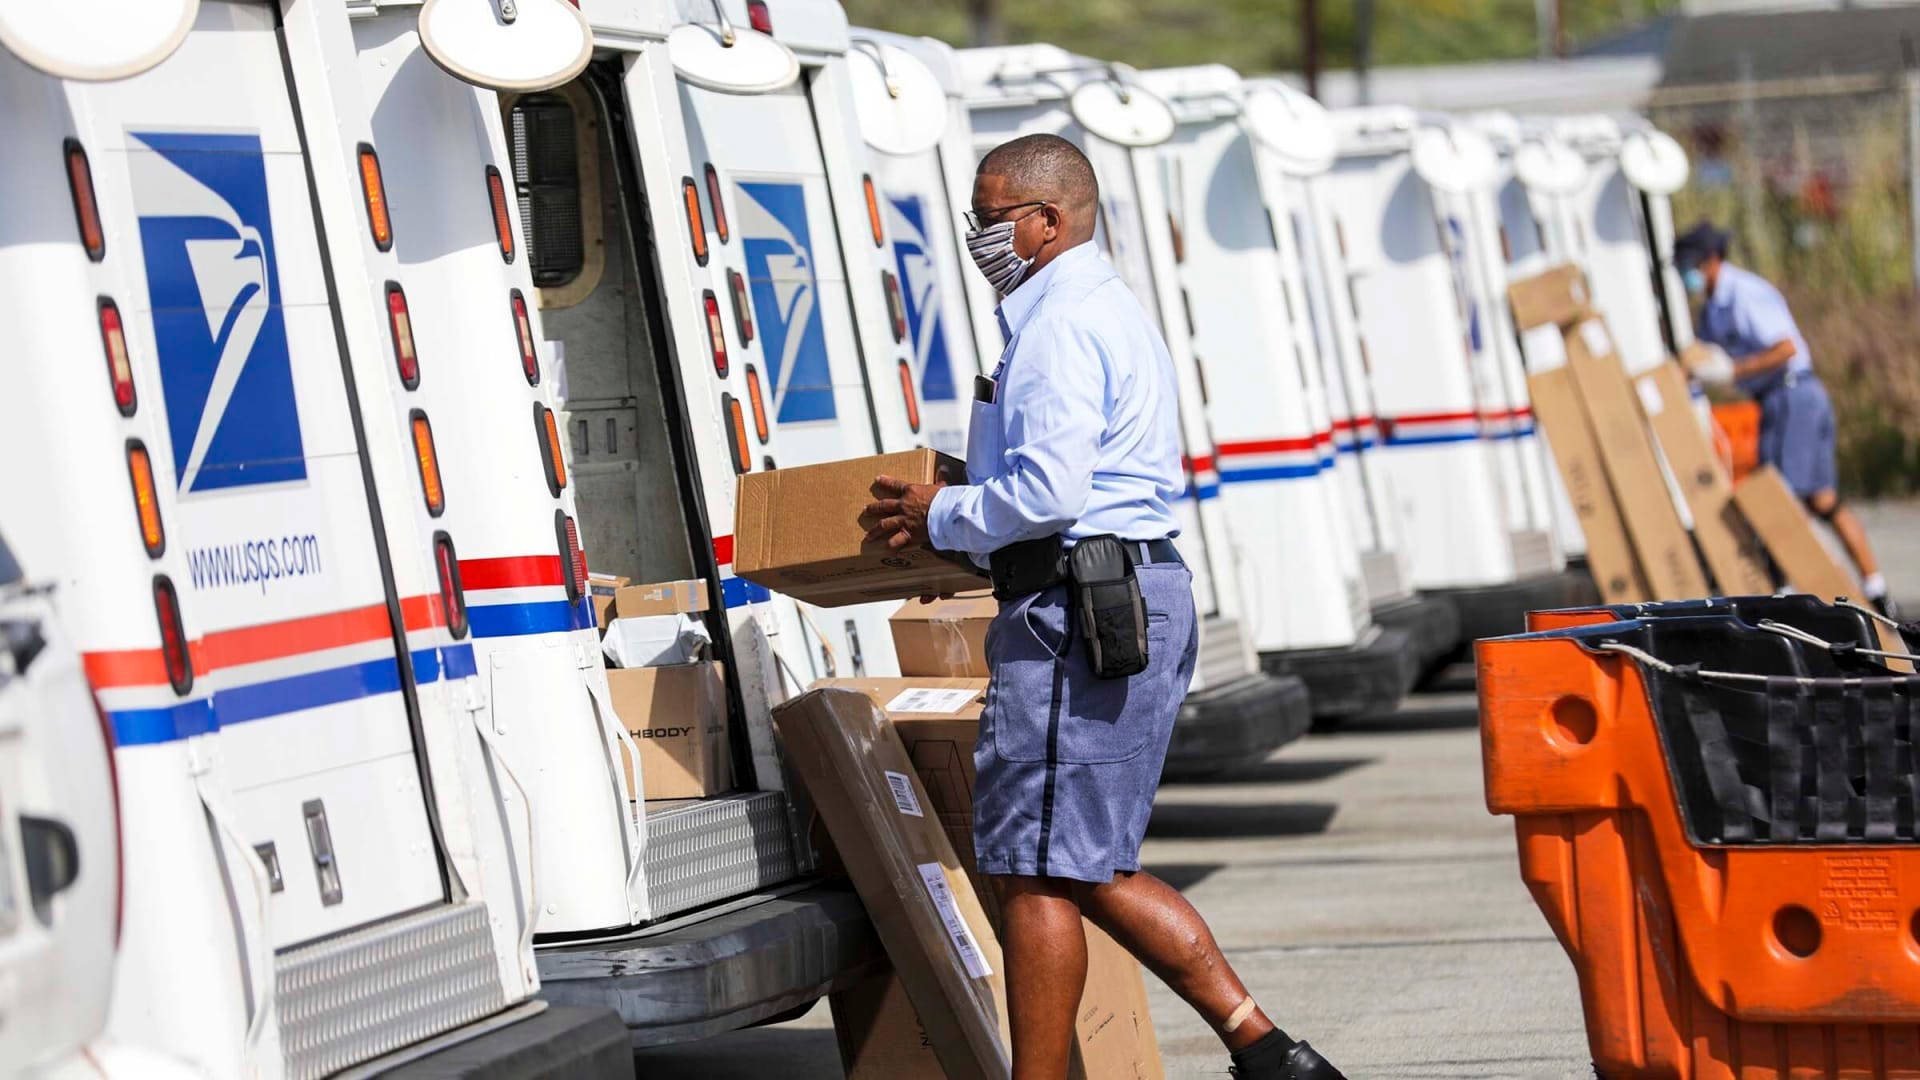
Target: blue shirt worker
x=1748, y=318
x=1073, y=456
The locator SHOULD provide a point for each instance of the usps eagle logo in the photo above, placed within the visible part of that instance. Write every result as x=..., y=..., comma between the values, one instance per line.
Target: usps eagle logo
x=207, y=240
x=920, y=290
x=786, y=298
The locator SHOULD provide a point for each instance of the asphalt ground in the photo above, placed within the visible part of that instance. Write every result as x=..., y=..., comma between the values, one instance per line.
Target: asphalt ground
x=1363, y=892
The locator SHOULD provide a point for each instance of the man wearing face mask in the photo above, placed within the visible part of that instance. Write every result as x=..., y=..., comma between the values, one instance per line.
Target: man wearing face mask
x=1073, y=460
x=1746, y=316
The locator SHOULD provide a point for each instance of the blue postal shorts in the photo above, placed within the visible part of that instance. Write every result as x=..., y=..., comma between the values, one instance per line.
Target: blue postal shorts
x=1067, y=763
x=1796, y=434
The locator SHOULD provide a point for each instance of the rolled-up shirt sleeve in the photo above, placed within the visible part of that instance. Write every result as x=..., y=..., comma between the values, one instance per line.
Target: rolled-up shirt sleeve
x=1051, y=398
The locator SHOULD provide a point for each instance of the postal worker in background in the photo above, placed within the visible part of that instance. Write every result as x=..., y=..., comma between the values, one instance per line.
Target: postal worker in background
x=1747, y=317
x=1073, y=458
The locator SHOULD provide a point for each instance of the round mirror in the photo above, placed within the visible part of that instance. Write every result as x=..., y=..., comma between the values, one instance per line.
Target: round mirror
x=1123, y=113
x=1291, y=126
x=731, y=59
x=901, y=105
x=543, y=44
x=1653, y=162
x=1548, y=165
x=95, y=40
x=1454, y=158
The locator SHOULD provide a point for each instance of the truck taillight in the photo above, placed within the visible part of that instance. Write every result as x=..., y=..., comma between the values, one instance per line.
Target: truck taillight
x=758, y=17
x=742, y=308
x=716, y=332
x=173, y=635
x=113, y=339
x=429, y=462
x=146, y=503
x=546, y=428
x=523, y=329
x=375, y=193
x=86, y=209
x=759, y=404
x=573, y=561
x=502, y=224
x=896, y=310
x=913, y=403
x=736, y=421
x=696, y=222
x=873, y=210
x=453, y=600
x=401, y=328
x=719, y=207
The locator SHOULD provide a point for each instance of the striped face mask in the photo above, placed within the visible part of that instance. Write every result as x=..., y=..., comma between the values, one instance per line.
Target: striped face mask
x=992, y=251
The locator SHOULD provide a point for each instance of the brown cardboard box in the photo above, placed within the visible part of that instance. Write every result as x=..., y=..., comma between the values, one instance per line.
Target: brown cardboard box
x=1114, y=1028
x=946, y=637
x=601, y=587
x=677, y=715
x=1555, y=297
x=660, y=598
x=801, y=531
x=1639, y=487
x=1733, y=552
x=1610, y=558
x=922, y=905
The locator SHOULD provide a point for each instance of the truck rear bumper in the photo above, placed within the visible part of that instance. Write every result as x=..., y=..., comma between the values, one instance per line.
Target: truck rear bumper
x=559, y=1042
x=1495, y=610
x=703, y=975
x=1236, y=723
x=1432, y=624
x=1365, y=679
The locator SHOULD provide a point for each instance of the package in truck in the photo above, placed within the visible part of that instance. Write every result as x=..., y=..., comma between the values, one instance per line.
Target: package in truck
x=677, y=715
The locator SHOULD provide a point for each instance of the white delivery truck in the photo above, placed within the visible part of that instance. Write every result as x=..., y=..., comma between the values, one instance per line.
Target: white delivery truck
x=1400, y=233
x=245, y=541
x=1236, y=713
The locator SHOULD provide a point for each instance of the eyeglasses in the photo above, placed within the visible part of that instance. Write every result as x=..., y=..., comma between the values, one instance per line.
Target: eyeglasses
x=983, y=218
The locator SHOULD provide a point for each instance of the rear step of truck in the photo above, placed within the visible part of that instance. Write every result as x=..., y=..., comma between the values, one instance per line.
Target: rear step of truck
x=701, y=851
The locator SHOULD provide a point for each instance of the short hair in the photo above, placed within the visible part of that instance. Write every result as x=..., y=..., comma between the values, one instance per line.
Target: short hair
x=1044, y=167
x=1693, y=246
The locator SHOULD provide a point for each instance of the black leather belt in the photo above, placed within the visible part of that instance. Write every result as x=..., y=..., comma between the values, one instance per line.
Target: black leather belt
x=1032, y=565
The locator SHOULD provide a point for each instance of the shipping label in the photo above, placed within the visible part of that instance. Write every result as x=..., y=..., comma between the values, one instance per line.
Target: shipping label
x=957, y=929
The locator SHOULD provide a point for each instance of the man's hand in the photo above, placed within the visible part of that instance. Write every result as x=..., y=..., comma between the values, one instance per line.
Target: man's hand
x=901, y=511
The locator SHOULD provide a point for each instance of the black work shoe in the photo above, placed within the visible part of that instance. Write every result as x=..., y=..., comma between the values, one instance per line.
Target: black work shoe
x=1302, y=1062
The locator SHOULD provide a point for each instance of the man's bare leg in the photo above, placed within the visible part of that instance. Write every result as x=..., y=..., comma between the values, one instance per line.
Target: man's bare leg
x=1854, y=535
x=1046, y=958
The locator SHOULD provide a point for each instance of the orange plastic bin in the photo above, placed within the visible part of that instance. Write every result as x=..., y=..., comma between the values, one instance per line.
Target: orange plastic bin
x=1729, y=911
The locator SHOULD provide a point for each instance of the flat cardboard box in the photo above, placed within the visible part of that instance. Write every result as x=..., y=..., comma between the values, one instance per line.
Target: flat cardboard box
x=802, y=531
x=946, y=637
x=677, y=716
x=601, y=589
x=1552, y=298
x=1733, y=552
x=921, y=902
x=661, y=598
x=1115, y=1036
x=1610, y=558
x=1633, y=469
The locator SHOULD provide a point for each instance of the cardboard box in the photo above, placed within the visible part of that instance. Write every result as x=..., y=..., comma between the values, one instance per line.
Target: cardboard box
x=922, y=905
x=677, y=716
x=661, y=598
x=938, y=721
x=802, y=531
x=1732, y=550
x=1639, y=487
x=1552, y=298
x=1610, y=558
x=946, y=637
x=601, y=589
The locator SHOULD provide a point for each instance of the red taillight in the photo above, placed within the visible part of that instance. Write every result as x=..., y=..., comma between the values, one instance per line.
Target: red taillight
x=906, y=391
x=502, y=224
x=173, y=635
x=374, y=190
x=742, y=309
x=453, y=601
x=696, y=222
x=523, y=328
x=573, y=561
x=429, y=461
x=86, y=209
x=896, y=310
x=736, y=420
x=546, y=428
x=719, y=207
x=146, y=501
x=401, y=327
x=759, y=404
x=873, y=211
x=757, y=16
x=716, y=332
x=113, y=339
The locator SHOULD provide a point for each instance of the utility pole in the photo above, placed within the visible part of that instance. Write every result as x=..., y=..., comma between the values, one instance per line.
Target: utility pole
x=984, y=15
x=1549, y=18
x=1912, y=85
x=1363, y=50
x=1310, y=44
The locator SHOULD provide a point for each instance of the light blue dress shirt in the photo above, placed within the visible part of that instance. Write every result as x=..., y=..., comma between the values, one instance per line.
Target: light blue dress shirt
x=1083, y=434
x=1747, y=315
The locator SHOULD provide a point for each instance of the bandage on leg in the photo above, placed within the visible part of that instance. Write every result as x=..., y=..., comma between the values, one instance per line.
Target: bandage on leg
x=1239, y=1015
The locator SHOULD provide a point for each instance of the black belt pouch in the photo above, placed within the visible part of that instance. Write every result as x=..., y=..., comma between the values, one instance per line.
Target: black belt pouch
x=1113, y=615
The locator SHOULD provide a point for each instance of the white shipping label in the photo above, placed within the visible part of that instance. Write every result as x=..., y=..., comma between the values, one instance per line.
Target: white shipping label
x=1650, y=400
x=928, y=699
x=903, y=796
x=1593, y=333
x=957, y=929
